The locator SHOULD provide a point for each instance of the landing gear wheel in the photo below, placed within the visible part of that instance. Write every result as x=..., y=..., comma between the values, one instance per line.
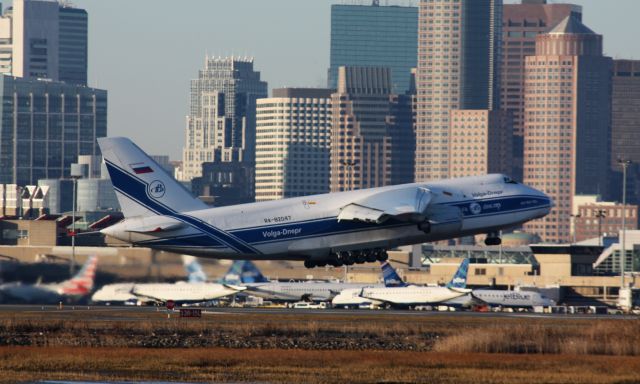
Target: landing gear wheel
x=349, y=258
x=309, y=264
x=382, y=256
x=489, y=241
x=425, y=227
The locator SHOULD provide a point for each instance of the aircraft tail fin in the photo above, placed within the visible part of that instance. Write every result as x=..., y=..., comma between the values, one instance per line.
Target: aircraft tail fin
x=195, y=273
x=234, y=274
x=143, y=187
x=390, y=276
x=459, y=280
x=242, y=272
x=82, y=283
x=251, y=273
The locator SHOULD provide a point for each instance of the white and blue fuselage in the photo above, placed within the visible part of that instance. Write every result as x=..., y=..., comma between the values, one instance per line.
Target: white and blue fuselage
x=309, y=227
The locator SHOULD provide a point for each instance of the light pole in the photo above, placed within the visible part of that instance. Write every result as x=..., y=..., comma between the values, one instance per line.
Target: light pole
x=573, y=225
x=625, y=164
x=349, y=164
x=76, y=173
x=600, y=214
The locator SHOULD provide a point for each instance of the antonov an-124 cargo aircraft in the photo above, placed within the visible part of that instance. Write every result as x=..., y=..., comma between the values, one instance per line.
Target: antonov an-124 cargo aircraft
x=338, y=229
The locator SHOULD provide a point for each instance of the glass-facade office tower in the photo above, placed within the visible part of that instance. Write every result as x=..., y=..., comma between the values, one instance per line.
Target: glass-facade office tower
x=625, y=135
x=73, y=44
x=372, y=35
x=44, y=39
x=567, y=122
x=45, y=125
x=458, y=60
x=222, y=114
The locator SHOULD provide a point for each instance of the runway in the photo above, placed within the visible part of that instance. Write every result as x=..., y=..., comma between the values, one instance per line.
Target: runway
x=89, y=312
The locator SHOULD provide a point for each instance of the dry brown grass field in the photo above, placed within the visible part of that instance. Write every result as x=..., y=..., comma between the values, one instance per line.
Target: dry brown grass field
x=105, y=344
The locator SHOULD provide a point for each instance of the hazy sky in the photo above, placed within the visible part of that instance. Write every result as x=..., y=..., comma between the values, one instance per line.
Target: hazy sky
x=145, y=52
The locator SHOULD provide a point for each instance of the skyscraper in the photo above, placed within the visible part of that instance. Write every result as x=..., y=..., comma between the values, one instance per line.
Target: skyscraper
x=625, y=133
x=521, y=23
x=480, y=142
x=45, y=126
x=292, y=143
x=458, y=51
x=567, y=121
x=73, y=44
x=222, y=113
x=369, y=142
x=374, y=35
x=44, y=39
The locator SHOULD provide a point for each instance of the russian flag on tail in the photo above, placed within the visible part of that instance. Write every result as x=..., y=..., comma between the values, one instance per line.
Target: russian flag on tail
x=140, y=168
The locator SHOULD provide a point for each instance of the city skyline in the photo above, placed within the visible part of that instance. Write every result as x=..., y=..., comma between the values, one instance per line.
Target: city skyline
x=149, y=92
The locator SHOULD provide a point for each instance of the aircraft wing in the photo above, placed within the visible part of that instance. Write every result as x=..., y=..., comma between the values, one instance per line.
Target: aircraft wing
x=406, y=204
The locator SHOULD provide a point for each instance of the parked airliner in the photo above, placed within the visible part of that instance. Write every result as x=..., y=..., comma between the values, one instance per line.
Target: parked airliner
x=195, y=290
x=337, y=228
x=73, y=289
x=408, y=295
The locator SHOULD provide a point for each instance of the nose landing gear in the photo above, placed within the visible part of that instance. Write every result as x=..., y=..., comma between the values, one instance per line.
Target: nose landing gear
x=493, y=238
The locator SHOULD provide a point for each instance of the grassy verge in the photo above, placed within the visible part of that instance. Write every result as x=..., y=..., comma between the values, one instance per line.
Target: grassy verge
x=293, y=347
x=297, y=366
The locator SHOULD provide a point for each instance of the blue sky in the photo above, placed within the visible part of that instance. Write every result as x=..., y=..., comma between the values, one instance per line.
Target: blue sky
x=144, y=52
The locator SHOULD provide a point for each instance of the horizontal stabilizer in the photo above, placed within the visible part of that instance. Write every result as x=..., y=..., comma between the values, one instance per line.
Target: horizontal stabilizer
x=235, y=287
x=157, y=228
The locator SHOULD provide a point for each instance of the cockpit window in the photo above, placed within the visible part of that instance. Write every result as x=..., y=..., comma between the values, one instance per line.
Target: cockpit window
x=508, y=180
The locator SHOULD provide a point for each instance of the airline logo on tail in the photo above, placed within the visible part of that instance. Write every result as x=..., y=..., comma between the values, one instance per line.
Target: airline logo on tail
x=82, y=283
x=459, y=280
x=157, y=189
x=390, y=276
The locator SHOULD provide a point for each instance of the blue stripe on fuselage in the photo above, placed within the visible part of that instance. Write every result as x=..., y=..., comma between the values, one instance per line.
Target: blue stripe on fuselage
x=242, y=239
x=137, y=191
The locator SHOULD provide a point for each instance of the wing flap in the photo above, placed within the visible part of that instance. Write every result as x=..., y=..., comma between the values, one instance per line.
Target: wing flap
x=405, y=204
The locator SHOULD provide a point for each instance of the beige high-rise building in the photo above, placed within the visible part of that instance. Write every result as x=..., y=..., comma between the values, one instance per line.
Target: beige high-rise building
x=292, y=143
x=567, y=122
x=521, y=23
x=458, y=50
x=480, y=142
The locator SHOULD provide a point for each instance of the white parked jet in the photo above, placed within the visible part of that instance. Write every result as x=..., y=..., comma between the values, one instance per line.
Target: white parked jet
x=195, y=290
x=336, y=228
x=407, y=295
x=510, y=298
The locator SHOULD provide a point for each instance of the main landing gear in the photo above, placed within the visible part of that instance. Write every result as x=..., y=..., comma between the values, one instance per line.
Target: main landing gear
x=341, y=258
x=493, y=238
